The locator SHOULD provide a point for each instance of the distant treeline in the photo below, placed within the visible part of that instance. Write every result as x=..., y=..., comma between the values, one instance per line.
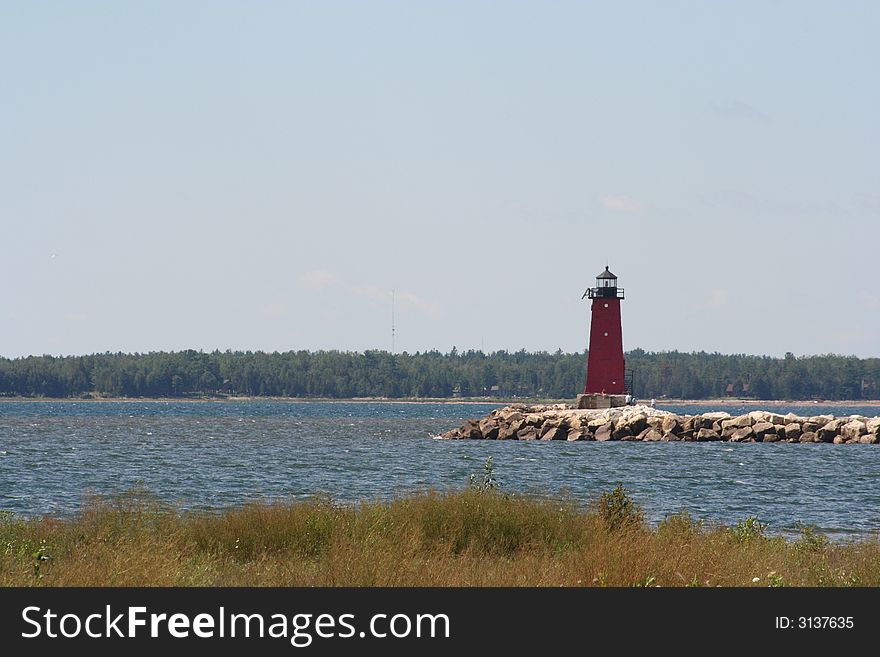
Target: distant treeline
x=343, y=374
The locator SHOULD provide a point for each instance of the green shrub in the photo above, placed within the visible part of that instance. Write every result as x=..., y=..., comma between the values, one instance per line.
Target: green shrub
x=618, y=511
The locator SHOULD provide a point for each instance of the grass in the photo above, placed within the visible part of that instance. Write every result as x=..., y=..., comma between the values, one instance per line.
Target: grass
x=477, y=537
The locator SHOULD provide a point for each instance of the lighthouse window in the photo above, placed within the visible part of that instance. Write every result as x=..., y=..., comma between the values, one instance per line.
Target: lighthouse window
x=606, y=305
x=606, y=334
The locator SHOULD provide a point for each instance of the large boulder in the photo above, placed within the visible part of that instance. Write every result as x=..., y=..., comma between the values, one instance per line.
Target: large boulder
x=651, y=435
x=509, y=431
x=870, y=439
x=716, y=416
x=776, y=435
x=830, y=431
x=528, y=432
x=854, y=430
x=671, y=424
x=793, y=431
x=821, y=420
x=745, y=434
x=596, y=423
x=738, y=422
x=791, y=417
x=489, y=427
x=764, y=429
x=471, y=430
x=508, y=416
x=549, y=424
x=621, y=432
x=760, y=416
x=556, y=433
x=811, y=426
x=578, y=434
x=809, y=437
x=604, y=432
x=704, y=435
x=535, y=419
x=636, y=423
x=873, y=425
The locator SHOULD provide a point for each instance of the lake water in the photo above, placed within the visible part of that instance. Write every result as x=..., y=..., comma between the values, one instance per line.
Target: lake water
x=204, y=455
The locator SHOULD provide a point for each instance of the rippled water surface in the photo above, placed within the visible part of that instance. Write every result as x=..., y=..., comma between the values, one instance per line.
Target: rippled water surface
x=217, y=454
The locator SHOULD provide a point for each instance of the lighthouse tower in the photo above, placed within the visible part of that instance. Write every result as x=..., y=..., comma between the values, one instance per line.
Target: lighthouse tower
x=607, y=380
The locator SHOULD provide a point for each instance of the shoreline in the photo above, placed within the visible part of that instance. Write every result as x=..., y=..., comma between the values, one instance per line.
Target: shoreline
x=443, y=400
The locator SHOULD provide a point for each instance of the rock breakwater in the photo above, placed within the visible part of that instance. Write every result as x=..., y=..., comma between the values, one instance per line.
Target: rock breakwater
x=643, y=423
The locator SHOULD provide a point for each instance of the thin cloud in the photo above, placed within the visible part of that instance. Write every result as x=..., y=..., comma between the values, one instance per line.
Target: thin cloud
x=402, y=298
x=621, y=204
x=318, y=279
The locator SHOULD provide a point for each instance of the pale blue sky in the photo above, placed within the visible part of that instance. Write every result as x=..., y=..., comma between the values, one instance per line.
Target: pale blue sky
x=261, y=175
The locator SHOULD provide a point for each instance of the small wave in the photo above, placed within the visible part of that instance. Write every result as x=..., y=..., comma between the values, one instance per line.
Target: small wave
x=729, y=449
x=737, y=481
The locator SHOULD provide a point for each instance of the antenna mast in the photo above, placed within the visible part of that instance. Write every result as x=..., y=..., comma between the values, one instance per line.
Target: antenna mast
x=392, y=321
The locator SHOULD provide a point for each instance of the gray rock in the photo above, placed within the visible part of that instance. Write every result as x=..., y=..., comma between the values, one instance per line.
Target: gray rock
x=509, y=431
x=854, y=430
x=651, y=435
x=535, y=419
x=793, y=431
x=870, y=439
x=830, y=430
x=704, y=435
x=763, y=429
x=791, y=418
x=555, y=433
x=637, y=423
x=839, y=440
x=549, y=423
x=809, y=437
x=527, y=433
x=577, y=434
x=811, y=426
x=671, y=424
x=621, y=433
x=743, y=435
x=738, y=422
x=604, y=432
x=716, y=416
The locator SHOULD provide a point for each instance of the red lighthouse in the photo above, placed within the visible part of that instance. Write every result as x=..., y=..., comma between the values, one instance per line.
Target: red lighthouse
x=606, y=371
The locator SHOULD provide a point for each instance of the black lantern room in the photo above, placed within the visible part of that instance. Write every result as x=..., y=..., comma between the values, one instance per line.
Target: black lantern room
x=606, y=287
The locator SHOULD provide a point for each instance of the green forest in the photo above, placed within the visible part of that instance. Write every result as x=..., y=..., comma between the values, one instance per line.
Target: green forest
x=501, y=374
